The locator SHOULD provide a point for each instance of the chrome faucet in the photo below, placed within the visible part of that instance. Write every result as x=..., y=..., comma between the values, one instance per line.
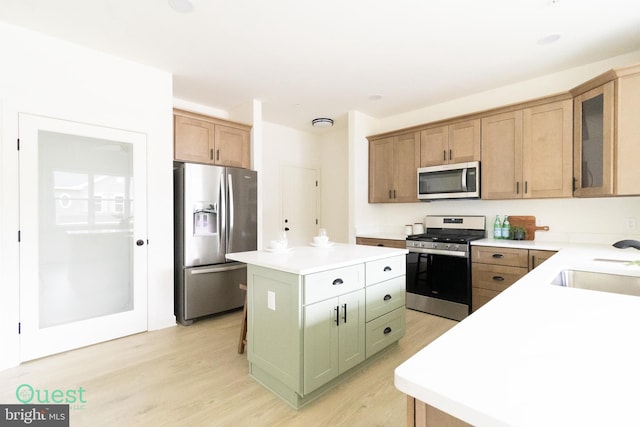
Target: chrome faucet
x=623, y=244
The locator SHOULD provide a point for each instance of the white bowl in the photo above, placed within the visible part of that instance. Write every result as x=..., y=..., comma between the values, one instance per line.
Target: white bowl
x=321, y=240
x=278, y=244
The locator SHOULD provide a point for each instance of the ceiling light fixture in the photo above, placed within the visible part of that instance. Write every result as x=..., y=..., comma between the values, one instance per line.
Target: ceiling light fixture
x=181, y=6
x=322, y=122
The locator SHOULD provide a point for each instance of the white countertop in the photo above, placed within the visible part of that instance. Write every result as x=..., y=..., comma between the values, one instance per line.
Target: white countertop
x=525, y=244
x=539, y=354
x=309, y=259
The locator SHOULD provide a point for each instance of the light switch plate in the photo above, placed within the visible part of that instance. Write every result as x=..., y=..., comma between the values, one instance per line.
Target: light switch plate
x=271, y=300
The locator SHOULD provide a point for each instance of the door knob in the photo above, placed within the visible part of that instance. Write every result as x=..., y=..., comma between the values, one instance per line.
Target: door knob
x=140, y=242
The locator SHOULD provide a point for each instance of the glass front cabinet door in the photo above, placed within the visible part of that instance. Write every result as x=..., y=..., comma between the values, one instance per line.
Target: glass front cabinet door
x=593, y=145
x=607, y=134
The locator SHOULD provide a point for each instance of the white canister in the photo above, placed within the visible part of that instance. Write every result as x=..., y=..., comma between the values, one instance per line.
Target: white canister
x=408, y=229
x=418, y=228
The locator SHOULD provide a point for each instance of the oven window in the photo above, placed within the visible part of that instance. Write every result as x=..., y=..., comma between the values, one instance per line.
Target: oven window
x=439, y=276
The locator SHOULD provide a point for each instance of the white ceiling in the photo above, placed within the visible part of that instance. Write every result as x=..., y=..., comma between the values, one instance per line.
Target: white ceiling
x=307, y=59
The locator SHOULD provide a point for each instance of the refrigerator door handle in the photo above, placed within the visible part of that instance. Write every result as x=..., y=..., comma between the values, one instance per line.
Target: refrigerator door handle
x=222, y=226
x=219, y=269
x=230, y=201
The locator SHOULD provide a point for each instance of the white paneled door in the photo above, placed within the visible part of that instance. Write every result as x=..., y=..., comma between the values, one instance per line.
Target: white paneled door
x=83, y=235
x=299, y=204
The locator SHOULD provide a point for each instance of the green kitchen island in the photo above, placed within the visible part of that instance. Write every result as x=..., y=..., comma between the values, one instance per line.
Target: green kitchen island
x=317, y=313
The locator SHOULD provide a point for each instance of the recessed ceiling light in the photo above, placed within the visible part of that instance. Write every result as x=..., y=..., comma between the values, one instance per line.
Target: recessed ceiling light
x=551, y=38
x=322, y=122
x=182, y=6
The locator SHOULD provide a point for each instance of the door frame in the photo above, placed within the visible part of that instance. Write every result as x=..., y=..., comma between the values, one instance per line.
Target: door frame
x=128, y=322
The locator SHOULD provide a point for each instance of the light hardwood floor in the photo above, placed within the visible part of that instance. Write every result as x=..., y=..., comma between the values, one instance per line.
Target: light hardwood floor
x=193, y=376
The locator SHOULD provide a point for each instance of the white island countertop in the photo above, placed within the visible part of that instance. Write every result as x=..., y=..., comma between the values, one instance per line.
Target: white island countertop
x=539, y=354
x=309, y=259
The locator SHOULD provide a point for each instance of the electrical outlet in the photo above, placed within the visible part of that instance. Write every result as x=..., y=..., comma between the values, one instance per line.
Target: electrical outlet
x=630, y=224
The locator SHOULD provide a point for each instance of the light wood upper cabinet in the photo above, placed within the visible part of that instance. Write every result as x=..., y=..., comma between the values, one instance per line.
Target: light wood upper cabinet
x=528, y=153
x=203, y=139
x=453, y=143
x=393, y=164
x=232, y=147
x=607, y=134
x=547, y=150
x=502, y=156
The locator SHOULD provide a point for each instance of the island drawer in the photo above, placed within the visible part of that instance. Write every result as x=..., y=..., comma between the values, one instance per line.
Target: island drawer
x=385, y=269
x=384, y=330
x=385, y=297
x=332, y=283
x=500, y=256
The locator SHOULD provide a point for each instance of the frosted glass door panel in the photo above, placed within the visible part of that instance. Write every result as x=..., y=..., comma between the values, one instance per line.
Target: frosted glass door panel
x=83, y=244
x=592, y=142
x=85, y=226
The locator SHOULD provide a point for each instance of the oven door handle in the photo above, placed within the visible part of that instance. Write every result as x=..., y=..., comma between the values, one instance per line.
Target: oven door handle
x=460, y=254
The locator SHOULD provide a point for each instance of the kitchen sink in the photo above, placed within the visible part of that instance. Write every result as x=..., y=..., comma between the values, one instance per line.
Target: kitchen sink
x=603, y=282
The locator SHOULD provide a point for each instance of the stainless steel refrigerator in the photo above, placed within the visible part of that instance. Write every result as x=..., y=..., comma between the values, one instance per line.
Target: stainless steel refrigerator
x=215, y=212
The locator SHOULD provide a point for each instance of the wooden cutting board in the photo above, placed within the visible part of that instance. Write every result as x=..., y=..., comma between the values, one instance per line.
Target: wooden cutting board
x=528, y=223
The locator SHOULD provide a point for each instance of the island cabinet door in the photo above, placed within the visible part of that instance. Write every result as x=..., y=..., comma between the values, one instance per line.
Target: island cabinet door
x=351, y=333
x=334, y=338
x=321, y=322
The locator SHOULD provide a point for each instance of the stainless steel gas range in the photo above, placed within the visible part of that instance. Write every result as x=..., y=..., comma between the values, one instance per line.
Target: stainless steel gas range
x=439, y=265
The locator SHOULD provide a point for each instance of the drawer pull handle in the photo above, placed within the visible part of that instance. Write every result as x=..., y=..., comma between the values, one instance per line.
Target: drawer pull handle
x=338, y=282
x=498, y=256
x=387, y=268
x=498, y=278
x=387, y=330
x=387, y=297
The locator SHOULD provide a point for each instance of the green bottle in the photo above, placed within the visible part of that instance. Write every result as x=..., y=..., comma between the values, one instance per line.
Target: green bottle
x=497, y=228
x=506, y=227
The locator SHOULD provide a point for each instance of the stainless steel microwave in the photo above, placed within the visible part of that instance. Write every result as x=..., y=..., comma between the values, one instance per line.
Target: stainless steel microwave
x=455, y=181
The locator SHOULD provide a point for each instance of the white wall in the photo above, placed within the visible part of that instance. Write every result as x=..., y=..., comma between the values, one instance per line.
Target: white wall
x=44, y=76
x=593, y=220
x=334, y=184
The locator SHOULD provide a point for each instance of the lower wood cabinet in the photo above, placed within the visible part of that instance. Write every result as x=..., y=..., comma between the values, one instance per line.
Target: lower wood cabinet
x=419, y=414
x=389, y=243
x=494, y=269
